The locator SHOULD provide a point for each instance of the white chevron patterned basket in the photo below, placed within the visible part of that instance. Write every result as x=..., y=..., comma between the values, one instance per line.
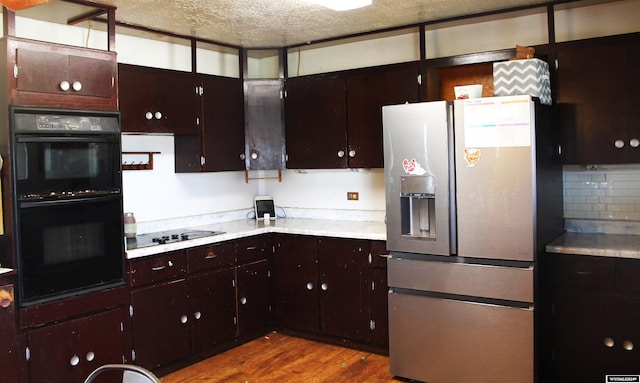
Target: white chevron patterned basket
x=522, y=77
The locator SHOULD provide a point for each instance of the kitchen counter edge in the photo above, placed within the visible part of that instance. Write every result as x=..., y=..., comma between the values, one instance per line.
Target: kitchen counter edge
x=371, y=230
x=596, y=244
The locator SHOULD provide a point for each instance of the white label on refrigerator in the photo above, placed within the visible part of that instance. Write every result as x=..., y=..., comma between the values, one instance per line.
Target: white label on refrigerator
x=497, y=122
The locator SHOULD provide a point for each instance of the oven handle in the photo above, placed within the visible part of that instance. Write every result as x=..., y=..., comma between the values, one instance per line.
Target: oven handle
x=100, y=138
x=41, y=203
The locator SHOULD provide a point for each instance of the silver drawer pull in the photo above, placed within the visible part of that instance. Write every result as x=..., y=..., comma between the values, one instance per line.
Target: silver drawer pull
x=158, y=268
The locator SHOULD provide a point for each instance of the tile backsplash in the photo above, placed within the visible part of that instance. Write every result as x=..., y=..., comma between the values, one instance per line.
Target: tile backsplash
x=605, y=193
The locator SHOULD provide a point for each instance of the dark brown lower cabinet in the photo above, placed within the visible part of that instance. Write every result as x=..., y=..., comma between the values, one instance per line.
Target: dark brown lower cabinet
x=344, y=288
x=68, y=351
x=596, y=311
x=187, y=303
x=295, y=275
x=254, y=297
x=379, y=311
x=160, y=323
x=8, y=334
x=212, y=301
x=327, y=286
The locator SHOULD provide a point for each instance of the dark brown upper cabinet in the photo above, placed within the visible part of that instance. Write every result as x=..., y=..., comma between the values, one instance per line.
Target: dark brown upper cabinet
x=335, y=120
x=597, y=83
x=368, y=90
x=158, y=100
x=316, y=121
x=222, y=124
x=59, y=76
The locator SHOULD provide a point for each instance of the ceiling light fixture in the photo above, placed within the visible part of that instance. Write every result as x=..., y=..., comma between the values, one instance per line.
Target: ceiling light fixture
x=342, y=5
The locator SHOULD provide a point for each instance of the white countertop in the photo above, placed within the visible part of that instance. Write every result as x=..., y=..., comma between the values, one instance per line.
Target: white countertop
x=372, y=230
x=597, y=244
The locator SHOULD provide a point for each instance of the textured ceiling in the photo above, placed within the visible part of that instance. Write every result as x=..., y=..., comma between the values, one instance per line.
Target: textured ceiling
x=279, y=23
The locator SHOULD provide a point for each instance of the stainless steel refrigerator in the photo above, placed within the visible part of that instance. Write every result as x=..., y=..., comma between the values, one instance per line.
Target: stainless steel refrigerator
x=473, y=192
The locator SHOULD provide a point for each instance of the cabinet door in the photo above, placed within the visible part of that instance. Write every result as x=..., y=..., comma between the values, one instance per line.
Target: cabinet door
x=176, y=104
x=344, y=288
x=160, y=323
x=69, y=351
x=591, y=333
x=254, y=297
x=379, y=293
x=264, y=124
x=295, y=282
x=40, y=71
x=598, y=117
x=223, y=123
x=212, y=301
x=135, y=88
x=316, y=122
x=368, y=90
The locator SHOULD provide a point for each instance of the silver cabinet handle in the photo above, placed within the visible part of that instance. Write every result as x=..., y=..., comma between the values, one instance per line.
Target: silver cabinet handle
x=184, y=319
x=77, y=86
x=609, y=342
x=627, y=345
x=148, y=115
x=352, y=153
x=90, y=356
x=197, y=315
x=309, y=286
x=254, y=156
x=158, y=268
x=618, y=144
x=75, y=360
x=157, y=115
x=340, y=153
x=243, y=300
x=64, y=86
x=324, y=287
x=634, y=142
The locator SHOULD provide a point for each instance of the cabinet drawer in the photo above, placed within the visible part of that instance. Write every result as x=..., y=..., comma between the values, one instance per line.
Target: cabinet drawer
x=253, y=248
x=209, y=257
x=379, y=254
x=583, y=271
x=157, y=268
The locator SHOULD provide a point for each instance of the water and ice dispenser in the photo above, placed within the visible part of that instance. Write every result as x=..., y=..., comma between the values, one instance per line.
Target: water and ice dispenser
x=417, y=206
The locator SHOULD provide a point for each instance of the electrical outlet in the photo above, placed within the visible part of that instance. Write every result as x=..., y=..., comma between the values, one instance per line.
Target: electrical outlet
x=352, y=196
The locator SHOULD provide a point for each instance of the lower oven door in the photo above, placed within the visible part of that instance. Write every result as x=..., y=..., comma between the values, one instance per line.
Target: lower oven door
x=69, y=247
x=440, y=340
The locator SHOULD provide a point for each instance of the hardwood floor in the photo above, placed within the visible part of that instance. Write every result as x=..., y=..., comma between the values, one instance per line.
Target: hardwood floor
x=281, y=358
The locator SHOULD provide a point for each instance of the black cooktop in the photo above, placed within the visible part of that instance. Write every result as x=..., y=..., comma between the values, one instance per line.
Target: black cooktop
x=169, y=236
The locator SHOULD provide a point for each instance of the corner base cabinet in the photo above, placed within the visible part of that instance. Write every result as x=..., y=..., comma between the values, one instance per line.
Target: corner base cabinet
x=331, y=287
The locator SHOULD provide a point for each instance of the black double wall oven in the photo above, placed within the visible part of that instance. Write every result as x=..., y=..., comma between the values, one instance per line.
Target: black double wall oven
x=68, y=196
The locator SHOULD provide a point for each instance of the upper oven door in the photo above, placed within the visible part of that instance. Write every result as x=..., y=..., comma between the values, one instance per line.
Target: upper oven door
x=60, y=166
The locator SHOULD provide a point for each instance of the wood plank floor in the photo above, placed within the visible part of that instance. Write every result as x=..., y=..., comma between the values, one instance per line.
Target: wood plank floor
x=282, y=359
